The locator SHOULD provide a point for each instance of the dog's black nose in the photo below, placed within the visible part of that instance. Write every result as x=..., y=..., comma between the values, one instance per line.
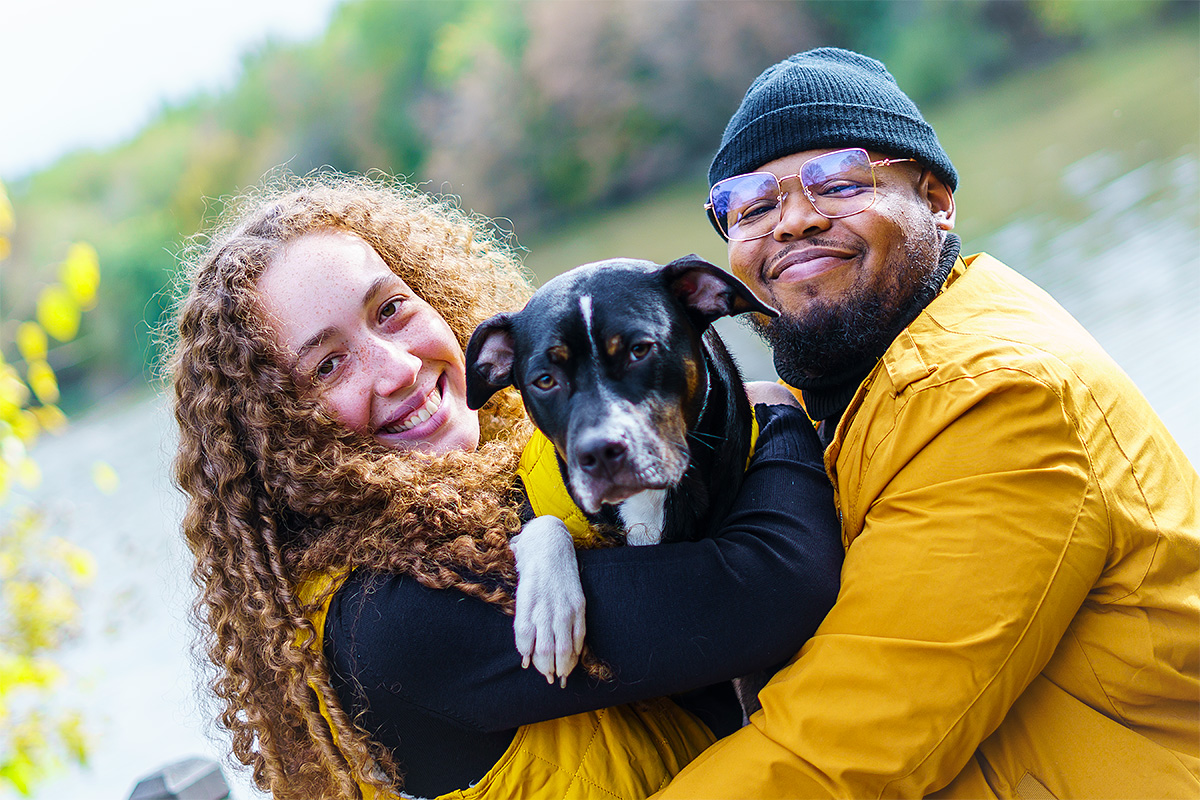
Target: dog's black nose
x=600, y=455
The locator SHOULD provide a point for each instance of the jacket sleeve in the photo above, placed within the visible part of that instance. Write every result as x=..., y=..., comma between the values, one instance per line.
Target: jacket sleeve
x=666, y=619
x=972, y=545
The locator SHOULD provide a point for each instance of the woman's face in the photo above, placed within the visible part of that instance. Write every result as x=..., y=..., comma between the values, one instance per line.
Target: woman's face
x=379, y=357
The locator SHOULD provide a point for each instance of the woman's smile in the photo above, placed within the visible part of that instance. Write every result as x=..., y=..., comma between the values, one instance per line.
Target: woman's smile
x=377, y=355
x=414, y=422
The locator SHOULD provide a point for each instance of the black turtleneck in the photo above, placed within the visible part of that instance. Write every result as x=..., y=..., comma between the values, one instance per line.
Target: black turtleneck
x=827, y=396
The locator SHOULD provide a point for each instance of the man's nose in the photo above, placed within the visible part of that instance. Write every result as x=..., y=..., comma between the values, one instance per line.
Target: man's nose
x=798, y=218
x=396, y=366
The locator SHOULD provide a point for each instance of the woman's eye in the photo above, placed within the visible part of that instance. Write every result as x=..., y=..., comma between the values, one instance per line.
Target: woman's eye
x=389, y=309
x=328, y=367
x=640, y=350
x=545, y=382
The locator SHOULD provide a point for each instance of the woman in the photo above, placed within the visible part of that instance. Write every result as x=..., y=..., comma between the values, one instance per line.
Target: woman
x=338, y=486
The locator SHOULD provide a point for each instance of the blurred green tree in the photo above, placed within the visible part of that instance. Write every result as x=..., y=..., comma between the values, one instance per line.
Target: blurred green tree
x=40, y=575
x=532, y=110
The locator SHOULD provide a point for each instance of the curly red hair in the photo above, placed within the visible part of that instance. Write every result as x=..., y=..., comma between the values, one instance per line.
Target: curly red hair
x=276, y=490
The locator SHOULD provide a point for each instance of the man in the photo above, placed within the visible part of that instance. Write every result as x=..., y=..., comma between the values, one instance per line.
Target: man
x=1019, y=611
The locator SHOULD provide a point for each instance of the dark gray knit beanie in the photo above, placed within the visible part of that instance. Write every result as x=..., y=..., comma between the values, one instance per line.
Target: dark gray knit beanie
x=826, y=97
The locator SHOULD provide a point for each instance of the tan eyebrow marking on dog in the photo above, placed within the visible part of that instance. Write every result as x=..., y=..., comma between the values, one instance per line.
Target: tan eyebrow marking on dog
x=691, y=373
x=613, y=345
x=559, y=354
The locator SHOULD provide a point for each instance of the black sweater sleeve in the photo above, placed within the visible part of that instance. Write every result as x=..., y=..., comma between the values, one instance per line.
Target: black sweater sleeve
x=667, y=619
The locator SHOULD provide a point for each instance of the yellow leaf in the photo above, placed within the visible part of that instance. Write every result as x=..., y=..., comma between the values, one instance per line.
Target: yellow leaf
x=12, y=389
x=5, y=247
x=29, y=474
x=25, y=427
x=74, y=737
x=7, y=220
x=26, y=670
x=79, y=562
x=59, y=313
x=80, y=273
x=105, y=477
x=42, y=381
x=31, y=341
x=20, y=771
x=12, y=450
x=50, y=418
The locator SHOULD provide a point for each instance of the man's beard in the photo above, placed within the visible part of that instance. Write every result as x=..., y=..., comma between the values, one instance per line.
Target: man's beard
x=834, y=337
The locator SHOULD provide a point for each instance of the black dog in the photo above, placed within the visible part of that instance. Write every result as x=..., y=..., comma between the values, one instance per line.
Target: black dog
x=618, y=366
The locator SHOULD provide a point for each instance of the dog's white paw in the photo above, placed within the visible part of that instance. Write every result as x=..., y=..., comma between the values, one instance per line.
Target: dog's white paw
x=549, y=622
x=771, y=394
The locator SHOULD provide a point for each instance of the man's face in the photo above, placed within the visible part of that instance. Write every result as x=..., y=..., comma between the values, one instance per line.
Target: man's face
x=840, y=283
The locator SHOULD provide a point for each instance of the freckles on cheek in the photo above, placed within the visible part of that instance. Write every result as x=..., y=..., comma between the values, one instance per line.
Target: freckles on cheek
x=346, y=411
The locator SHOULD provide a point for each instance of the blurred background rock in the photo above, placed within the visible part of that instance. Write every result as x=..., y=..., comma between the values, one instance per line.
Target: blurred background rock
x=585, y=128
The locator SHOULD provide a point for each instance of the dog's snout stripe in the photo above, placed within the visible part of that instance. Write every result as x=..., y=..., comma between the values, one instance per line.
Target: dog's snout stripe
x=595, y=366
x=585, y=308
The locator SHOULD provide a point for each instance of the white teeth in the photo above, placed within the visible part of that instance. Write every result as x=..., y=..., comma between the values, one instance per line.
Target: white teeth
x=432, y=404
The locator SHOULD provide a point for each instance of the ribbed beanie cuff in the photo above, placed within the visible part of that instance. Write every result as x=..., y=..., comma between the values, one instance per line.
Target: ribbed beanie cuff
x=821, y=98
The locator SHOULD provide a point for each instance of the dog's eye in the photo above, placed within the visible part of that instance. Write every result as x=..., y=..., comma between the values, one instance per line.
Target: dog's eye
x=545, y=382
x=640, y=350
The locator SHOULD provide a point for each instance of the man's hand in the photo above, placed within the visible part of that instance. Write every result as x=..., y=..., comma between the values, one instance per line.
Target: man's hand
x=549, y=621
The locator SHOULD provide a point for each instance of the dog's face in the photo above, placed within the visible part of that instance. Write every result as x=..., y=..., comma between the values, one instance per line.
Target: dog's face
x=609, y=362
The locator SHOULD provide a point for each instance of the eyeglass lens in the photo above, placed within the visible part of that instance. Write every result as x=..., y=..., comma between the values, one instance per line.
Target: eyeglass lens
x=838, y=184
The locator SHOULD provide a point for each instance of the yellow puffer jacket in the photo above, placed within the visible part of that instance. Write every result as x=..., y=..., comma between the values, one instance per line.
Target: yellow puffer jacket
x=622, y=753
x=1020, y=605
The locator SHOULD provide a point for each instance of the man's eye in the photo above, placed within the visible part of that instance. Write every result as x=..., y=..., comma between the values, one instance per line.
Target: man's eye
x=839, y=188
x=640, y=350
x=761, y=206
x=545, y=382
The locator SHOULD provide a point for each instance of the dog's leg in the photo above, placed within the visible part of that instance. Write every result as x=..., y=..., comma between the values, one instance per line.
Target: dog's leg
x=772, y=394
x=549, y=621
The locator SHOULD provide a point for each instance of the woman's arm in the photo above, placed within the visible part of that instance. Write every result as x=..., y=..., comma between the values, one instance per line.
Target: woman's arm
x=666, y=619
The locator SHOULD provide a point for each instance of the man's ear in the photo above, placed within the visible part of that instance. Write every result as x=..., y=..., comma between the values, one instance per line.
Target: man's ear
x=489, y=359
x=709, y=292
x=940, y=198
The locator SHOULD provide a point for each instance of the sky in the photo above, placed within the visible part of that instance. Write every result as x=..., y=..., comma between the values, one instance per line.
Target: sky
x=91, y=73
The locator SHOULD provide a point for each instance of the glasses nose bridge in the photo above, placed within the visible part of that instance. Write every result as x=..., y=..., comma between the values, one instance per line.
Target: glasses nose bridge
x=790, y=179
x=804, y=194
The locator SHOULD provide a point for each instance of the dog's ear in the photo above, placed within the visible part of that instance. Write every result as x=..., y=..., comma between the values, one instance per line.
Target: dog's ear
x=490, y=356
x=709, y=292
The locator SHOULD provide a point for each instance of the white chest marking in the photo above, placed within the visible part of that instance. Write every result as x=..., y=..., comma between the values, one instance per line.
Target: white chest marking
x=643, y=517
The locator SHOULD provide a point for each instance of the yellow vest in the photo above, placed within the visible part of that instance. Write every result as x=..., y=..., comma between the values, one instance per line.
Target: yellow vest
x=626, y=752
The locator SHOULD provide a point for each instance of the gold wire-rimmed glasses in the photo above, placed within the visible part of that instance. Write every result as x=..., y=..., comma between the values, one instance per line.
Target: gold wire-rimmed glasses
x=838, y=184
